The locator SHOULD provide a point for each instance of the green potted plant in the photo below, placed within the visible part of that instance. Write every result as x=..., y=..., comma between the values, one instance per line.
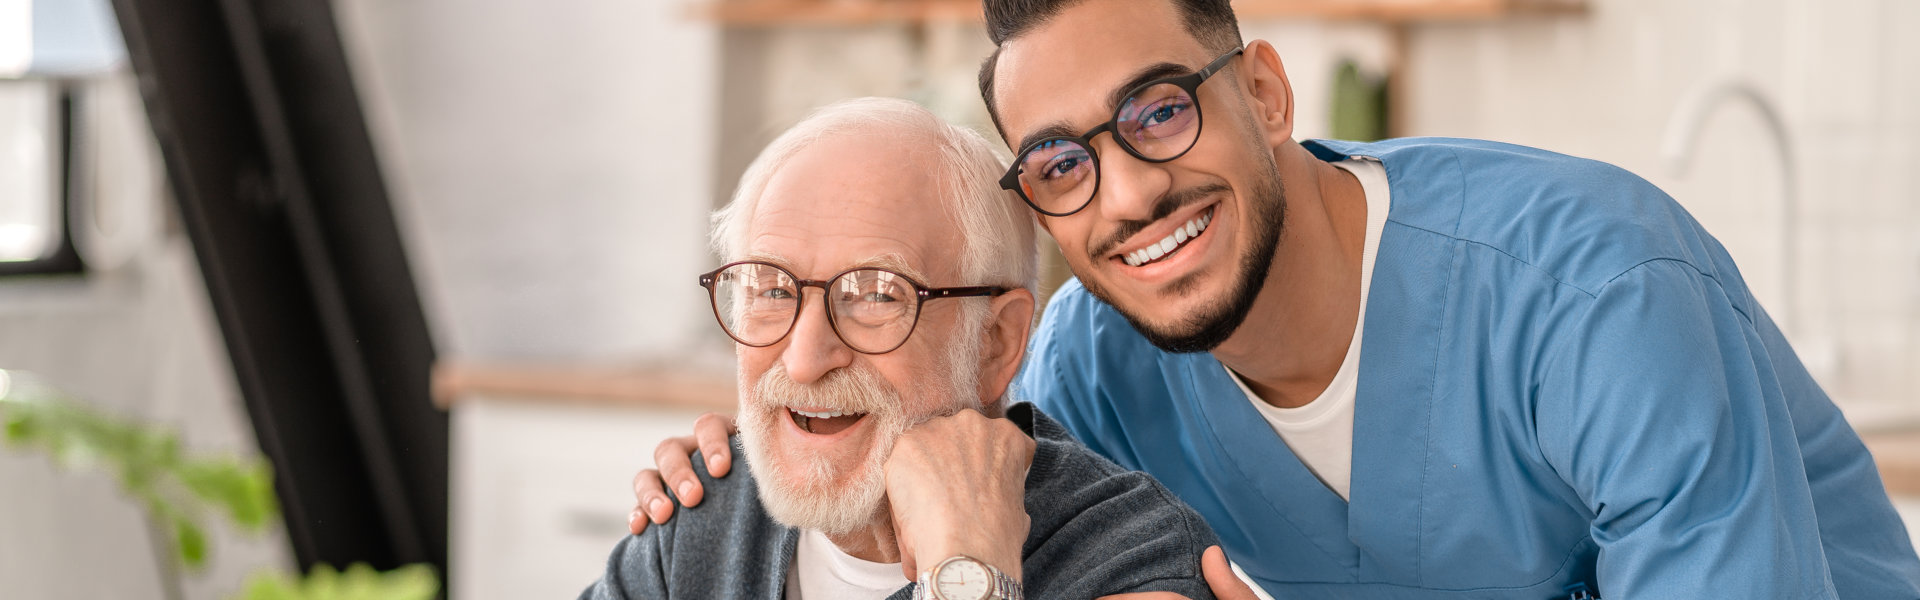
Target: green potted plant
x=179, y=491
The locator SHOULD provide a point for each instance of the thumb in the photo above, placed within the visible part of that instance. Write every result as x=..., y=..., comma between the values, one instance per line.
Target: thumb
x=1220, y=577
x=907, y=565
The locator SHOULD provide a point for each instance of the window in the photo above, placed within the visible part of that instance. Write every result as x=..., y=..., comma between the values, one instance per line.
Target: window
x=35, y=123
x=53, y=54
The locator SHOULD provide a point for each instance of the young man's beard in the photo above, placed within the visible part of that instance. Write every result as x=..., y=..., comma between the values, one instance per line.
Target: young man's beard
x=1212, y=324
x=814, y=492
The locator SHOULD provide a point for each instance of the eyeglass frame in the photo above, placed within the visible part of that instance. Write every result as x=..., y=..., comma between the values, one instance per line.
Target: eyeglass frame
x=1189, y=82
x=922, y=293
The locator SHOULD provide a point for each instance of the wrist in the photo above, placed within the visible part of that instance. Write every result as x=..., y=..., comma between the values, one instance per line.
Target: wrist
x=966, y=578
x=1007, y=560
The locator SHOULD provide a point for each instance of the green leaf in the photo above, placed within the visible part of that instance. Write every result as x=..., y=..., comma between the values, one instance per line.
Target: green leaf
x=19, y=428
x=243, y=489
x=269, y=585
x=358, y=582
x=190, y=541
x=412, y=582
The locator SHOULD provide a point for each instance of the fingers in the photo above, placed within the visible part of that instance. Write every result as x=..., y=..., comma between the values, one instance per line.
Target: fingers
x=651, y=504
x=1024, y=445
x=673, y=465
x=1220, y=577
x=712, y=431
x=674, y=459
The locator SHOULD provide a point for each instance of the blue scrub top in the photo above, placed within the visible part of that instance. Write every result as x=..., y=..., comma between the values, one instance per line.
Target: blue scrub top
x=1563, y=380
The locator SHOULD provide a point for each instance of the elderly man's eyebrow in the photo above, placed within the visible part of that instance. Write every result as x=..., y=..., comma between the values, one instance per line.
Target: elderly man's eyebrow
x=895, y=263
x=767, y=257
x=1140, y=77
x=889, y=261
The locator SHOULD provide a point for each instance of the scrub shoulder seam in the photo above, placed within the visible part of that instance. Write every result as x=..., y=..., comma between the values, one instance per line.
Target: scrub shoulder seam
x=1536, y=268
x=1692, y=268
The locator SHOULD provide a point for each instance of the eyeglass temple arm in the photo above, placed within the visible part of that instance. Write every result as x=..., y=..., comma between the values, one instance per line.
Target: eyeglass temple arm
x=960, y=292
x=1220, y=63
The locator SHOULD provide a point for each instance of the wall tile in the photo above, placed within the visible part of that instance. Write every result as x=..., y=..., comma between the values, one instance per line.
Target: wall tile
x=1837, y=57
x=1901, y=67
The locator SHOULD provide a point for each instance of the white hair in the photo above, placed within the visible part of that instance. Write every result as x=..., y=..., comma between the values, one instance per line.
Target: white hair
x=996, y=231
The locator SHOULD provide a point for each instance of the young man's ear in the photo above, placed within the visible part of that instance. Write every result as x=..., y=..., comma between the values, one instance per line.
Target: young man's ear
x=1264, y=79
x=1010, y=321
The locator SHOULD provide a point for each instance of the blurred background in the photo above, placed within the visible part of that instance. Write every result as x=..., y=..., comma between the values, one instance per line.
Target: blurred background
x=433, y=262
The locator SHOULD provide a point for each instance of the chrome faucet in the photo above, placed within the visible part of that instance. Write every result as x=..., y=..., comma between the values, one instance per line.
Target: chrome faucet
x=1683, y=133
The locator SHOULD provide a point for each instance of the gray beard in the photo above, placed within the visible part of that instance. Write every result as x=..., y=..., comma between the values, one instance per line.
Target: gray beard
x=811, y=492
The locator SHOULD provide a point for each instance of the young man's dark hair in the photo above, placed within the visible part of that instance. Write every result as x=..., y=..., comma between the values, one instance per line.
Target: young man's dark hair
x=1209, y=21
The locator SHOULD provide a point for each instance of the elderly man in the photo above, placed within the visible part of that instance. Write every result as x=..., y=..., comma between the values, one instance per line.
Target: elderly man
x=848, y=394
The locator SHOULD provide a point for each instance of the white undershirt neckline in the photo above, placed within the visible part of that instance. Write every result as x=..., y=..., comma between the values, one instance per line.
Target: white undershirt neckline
x=1320, y=433
x=822, y=570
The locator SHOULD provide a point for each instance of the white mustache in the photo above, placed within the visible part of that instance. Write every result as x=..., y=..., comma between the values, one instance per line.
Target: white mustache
x=850, y=389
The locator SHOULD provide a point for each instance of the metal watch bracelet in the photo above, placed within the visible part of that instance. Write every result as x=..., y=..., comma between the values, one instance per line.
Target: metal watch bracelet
x=1002, y=588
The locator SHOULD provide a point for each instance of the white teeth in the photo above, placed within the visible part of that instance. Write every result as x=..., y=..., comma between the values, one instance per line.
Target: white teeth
x=1167, y=244
x=822, y=415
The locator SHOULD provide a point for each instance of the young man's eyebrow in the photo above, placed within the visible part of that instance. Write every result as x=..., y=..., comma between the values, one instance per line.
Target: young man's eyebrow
x=1051, y=130
x=1142, y=77
x=1139, y=78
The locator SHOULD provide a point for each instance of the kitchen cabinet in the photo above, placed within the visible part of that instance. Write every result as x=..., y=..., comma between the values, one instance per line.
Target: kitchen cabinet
x=542, y=462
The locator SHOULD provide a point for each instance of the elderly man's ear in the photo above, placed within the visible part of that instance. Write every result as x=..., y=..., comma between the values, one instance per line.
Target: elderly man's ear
x=1009, y=323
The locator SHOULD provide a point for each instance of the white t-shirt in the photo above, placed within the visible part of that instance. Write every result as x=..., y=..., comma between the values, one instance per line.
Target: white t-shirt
x=821, y=570
x=1321, y=432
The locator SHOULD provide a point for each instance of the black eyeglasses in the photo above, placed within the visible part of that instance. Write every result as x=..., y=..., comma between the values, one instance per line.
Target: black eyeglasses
x=1158, y=122
x=872, y=310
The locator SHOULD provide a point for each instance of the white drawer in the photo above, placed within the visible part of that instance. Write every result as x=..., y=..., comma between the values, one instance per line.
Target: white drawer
x=540, y=492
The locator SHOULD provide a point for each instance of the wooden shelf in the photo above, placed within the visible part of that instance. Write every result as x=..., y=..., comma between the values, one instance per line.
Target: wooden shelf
x=791, y=13
x=1897, y=453
x=802, y=13
x=653, y=387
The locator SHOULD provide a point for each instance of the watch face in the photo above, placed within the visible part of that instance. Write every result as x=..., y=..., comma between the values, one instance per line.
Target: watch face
x=964, y=579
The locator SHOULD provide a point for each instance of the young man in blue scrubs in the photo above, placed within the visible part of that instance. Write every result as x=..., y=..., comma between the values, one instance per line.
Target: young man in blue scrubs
x=1421, y=368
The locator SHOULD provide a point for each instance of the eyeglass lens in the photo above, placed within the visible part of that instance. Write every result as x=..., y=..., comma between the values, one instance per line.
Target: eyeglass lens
x=1158, y=122
x=872, y=310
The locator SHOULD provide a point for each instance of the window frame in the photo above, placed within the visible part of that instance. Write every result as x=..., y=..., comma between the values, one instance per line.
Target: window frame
x=64, y=259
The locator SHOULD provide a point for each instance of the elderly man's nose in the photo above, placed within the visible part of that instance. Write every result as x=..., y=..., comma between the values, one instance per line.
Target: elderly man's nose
x=813, y=349
x=1128, y=186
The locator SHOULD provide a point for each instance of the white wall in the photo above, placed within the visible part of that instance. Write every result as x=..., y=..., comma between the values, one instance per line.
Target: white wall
x=552, y=167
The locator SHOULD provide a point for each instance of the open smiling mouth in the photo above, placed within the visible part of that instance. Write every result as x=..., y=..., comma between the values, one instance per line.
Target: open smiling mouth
x=1170, y=245
x=824, y=423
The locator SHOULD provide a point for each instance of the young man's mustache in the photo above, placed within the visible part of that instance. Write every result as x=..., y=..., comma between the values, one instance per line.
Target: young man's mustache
x=1164, y=207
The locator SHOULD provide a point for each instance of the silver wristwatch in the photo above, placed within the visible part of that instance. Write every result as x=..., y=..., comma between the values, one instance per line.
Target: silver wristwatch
x=966, y=578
